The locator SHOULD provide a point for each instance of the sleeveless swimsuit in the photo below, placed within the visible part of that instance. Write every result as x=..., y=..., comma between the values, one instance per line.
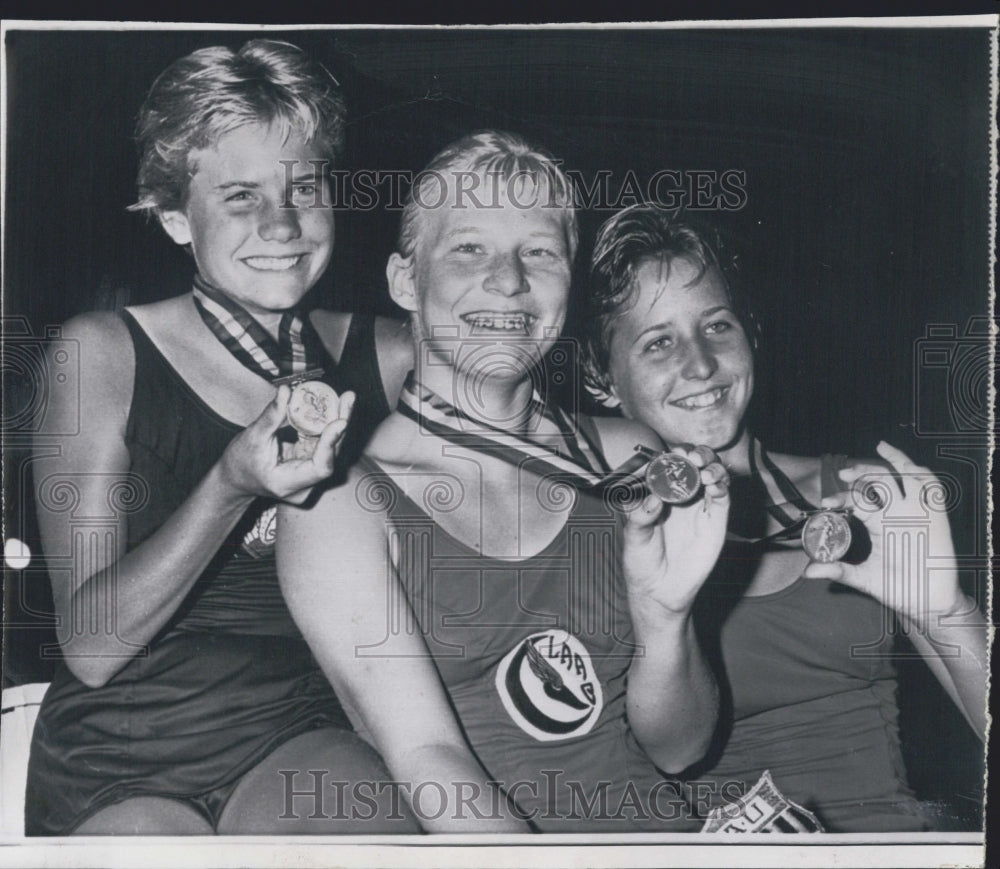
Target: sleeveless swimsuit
x=809, y=692
x=534, y=654
x=229, y=678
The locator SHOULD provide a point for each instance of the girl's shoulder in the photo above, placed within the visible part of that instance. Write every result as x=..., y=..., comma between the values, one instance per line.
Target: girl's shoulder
x=105, y=353
x=398, y=443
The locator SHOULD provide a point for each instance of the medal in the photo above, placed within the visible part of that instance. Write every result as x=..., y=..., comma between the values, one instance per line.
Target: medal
x=826, y=535
x=311, y=407
x=672, y=478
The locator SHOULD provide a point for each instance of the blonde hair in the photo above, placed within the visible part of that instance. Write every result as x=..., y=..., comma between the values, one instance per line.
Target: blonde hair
x=216, y=90
x=495, y=154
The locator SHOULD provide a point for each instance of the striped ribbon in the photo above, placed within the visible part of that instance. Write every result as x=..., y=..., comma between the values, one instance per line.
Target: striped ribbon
x=569, y=454
x=297, y=349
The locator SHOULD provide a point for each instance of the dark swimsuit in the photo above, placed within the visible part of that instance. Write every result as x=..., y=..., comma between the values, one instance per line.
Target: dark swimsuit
x=229, y=678
x=534, y=654
x=809, y=688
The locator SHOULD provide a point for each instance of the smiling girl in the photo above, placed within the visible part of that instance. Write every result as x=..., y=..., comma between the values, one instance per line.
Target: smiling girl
x=187, y=696
x=799, y=644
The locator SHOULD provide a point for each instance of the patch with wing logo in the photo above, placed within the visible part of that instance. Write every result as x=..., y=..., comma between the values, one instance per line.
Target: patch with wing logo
x=548, y=686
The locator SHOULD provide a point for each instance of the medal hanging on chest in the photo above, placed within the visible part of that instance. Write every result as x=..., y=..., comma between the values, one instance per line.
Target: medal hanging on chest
x=570, y=455
x=295, y=358
x=824, y=534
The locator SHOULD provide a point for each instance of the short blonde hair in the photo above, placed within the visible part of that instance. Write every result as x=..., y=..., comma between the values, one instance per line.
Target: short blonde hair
x=496, y=154
x=216, y=90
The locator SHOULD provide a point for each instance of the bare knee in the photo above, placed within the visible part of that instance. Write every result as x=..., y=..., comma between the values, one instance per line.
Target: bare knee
x=146, y=816
x=323, y=782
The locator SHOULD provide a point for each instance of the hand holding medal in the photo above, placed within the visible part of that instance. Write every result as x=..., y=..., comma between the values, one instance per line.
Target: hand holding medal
x=260, y=462
x=896, y=572
x=673, y=478
x=669, y=554
x=312, y=406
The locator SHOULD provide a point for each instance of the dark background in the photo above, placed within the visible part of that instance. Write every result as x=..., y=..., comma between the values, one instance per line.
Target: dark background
x=863, y=235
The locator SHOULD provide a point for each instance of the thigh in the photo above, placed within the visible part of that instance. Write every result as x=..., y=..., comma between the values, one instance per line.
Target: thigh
x=146, y=816
x=320, y=782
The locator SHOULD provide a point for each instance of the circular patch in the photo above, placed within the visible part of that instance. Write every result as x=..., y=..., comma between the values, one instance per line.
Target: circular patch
x=672, y=478
x=826, y=536
x=312, y=407
x=549, y=688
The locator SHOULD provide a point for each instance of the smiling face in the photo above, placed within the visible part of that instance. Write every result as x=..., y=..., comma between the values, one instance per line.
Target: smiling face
x=245, y=243
x=679, y=359
x=495, y=279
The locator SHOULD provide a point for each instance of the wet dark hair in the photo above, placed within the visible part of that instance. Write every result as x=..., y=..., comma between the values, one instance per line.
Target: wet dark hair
x=625, y=242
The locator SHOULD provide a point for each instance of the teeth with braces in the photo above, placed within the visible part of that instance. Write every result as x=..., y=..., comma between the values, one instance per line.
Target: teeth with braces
x=706, y=399
x=501, y=322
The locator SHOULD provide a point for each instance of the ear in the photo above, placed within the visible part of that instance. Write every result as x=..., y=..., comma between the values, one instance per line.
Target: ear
x=175, y=224
x=402, y=283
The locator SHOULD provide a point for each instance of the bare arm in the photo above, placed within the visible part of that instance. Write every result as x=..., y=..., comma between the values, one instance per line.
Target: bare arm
x=347, y=600
x=113, y=601
x=673, y=699
x=954, y=647
x=906, y=528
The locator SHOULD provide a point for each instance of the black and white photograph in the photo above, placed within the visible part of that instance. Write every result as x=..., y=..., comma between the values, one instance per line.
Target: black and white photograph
x=494, y=445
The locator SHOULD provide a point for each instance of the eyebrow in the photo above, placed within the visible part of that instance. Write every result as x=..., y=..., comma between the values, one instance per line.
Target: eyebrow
x=479, y=230
x=657, y=326
x=295, y=179
x=227, y=184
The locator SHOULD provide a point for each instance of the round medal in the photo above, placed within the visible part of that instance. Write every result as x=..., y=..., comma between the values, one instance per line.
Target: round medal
x=312, y=407
x=826, y=536
x=672, y=478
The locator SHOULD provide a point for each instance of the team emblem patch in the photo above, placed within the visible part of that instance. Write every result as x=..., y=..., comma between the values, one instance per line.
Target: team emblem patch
x=548, y=686
x=259, y=540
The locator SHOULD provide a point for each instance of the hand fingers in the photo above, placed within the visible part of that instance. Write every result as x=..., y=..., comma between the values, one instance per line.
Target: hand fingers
x=646, y=513
x=714, y=472
x=329, y=444
x=836, y=501
x=719, y=490
x=895, y=457
x=346, y=405
x=701, y=456
x=275, y=415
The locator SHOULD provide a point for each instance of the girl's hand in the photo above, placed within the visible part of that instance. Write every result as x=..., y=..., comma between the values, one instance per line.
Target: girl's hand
x=907, y=525
x=670, y=551
x=253, y=460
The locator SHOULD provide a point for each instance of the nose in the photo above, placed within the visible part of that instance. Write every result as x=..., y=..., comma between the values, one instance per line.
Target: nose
x=279, y=224
x=699, y=360
x=506, y=275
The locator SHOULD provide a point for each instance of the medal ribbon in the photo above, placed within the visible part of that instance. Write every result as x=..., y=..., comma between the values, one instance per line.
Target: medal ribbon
x=297, y=349
x=584, y=467
x=789, y=536
x=575, y=459
x=297, y=352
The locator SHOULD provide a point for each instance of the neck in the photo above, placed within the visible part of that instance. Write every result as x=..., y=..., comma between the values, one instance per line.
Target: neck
x=269, y=320
x=500, y=402
x=736, y=457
